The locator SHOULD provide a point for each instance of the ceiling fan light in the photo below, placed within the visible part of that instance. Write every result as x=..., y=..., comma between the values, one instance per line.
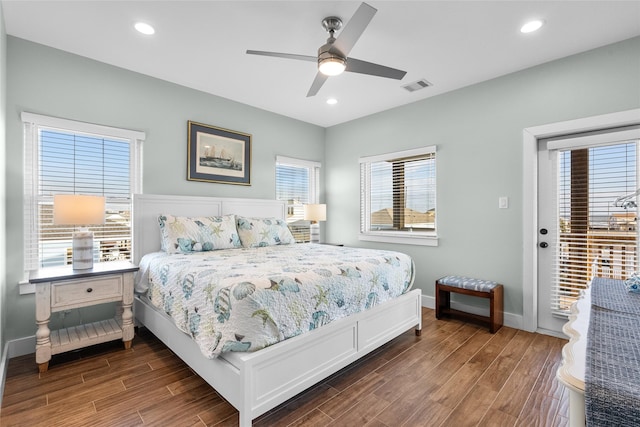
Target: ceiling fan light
x=332, y=66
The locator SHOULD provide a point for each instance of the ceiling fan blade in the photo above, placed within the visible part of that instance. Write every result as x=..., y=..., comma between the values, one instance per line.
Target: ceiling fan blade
x=353, y=29
x=364, y=67
x=284, y=55
x=317, y=84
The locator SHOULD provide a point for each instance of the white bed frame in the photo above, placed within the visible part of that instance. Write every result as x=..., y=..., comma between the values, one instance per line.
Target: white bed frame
x=257, y=382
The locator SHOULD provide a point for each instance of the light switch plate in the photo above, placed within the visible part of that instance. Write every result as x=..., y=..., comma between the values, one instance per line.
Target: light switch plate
x=503, y=202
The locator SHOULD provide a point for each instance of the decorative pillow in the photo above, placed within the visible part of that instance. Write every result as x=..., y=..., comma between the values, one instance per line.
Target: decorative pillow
x=256, y=232
x=633, y=283
x=197, y=234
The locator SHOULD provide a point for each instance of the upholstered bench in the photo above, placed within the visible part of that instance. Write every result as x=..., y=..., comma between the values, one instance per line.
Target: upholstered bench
x=474, y=287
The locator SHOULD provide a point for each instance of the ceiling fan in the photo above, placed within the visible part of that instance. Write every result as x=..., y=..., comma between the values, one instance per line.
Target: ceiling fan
x=332, y=57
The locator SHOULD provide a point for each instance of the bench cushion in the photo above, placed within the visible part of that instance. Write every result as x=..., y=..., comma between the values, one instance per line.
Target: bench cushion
x=468, y=283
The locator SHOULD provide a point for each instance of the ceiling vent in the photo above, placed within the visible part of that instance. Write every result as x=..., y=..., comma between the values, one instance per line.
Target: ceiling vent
x=420, y=84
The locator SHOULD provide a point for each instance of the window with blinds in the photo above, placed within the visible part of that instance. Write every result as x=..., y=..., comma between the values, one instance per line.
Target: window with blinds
x=597, y=234
x=297, y=184
x=67, y=157
x=398, y=194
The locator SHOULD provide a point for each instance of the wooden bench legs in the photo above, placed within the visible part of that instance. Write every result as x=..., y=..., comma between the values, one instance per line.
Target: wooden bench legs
x=496, y=305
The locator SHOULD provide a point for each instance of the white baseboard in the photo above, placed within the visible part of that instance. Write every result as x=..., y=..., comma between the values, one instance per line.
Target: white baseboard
x=552, y=333
x=14, y=348
x=511, y=320
x=4, y=361
x=22, y=346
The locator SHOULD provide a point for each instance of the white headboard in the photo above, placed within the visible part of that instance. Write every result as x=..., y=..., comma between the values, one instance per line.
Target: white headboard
x=147, y=207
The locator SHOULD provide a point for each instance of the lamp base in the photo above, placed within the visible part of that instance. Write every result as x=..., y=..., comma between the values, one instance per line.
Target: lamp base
x=83, y=250
x=314, y=232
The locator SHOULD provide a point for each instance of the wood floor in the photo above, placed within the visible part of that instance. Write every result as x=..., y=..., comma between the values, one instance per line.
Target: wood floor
x=455, y=374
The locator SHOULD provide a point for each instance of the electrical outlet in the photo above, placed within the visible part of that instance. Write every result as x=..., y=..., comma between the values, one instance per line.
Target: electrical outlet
x=503, y=202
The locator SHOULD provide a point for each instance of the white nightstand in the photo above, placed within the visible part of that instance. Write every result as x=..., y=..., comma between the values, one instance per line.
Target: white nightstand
x=63, y=288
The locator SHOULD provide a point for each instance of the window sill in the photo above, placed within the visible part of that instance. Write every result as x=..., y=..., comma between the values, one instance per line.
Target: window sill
x=26, y=288
x=405, y=238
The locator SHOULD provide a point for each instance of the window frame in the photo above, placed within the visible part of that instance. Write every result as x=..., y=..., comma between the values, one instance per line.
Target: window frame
x=33, y=124
x=313, y=168
x=408, y=237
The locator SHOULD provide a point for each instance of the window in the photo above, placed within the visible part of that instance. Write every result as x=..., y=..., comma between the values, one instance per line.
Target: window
x=596, y=223
x=68, y=157
x=297, y=183
x=398, y=197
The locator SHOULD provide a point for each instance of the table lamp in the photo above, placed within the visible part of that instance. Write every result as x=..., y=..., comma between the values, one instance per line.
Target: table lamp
x=315, y=213
x=79, y=210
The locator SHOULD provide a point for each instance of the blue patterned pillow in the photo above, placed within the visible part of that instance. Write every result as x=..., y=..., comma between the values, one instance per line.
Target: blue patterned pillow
x=180, y=234
x=633, y=283
x=257, y=232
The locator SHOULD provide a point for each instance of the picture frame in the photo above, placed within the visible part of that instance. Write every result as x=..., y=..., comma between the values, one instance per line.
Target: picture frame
x=218, y=155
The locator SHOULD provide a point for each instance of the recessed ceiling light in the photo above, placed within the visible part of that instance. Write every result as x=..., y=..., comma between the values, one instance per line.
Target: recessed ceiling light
x=144, y=28
x=532, y=26
x=332, y=101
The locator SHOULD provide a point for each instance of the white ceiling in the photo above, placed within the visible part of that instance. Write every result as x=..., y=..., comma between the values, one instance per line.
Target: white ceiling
x=202, y=44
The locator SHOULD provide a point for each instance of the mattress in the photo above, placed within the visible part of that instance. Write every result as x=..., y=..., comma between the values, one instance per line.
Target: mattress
x=246, y=299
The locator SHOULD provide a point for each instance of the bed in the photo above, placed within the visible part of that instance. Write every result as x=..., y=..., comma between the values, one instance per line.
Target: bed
x=255, y=382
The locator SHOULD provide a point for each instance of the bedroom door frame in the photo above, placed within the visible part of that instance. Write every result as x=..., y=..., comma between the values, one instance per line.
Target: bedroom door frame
x=530, y=137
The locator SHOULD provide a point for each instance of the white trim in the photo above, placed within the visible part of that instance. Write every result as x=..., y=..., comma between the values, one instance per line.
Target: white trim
x=21, y=346
x=396, y=155
x=530, y=137
x=402, y=237
x=4, y=362
x=600, y=138
x=90, y=128
x=297, y=162
x=26, y=287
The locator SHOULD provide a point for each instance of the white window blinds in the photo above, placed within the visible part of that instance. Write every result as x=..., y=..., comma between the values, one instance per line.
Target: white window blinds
x=68, y=157
x=398, y=192
x=596, y=235
x=297, y=184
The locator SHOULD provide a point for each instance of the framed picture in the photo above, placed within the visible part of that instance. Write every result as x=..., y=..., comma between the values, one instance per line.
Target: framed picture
x=218, y=155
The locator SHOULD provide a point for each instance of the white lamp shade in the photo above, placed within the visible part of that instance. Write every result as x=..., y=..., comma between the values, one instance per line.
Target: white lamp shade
x=315, y=212
x=75, y=209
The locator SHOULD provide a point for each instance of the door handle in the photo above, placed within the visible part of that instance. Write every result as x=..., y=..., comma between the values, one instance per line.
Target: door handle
x=544, y=245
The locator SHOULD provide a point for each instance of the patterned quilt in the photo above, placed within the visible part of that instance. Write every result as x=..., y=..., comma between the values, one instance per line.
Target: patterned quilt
x=248, y=298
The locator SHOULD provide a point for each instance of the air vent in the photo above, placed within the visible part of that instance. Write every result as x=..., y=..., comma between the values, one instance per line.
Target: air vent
x=420, y=84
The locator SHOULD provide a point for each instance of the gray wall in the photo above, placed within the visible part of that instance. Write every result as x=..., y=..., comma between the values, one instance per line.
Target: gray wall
x=48, y=81
x=478, y=134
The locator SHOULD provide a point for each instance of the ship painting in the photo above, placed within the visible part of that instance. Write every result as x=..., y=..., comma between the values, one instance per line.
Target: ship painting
x=215, y=157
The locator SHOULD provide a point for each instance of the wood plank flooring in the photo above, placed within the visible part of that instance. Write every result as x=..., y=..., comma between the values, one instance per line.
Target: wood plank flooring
x=455, y=374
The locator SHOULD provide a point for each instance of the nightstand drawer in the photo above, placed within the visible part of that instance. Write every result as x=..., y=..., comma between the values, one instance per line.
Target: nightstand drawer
x=76, y=293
